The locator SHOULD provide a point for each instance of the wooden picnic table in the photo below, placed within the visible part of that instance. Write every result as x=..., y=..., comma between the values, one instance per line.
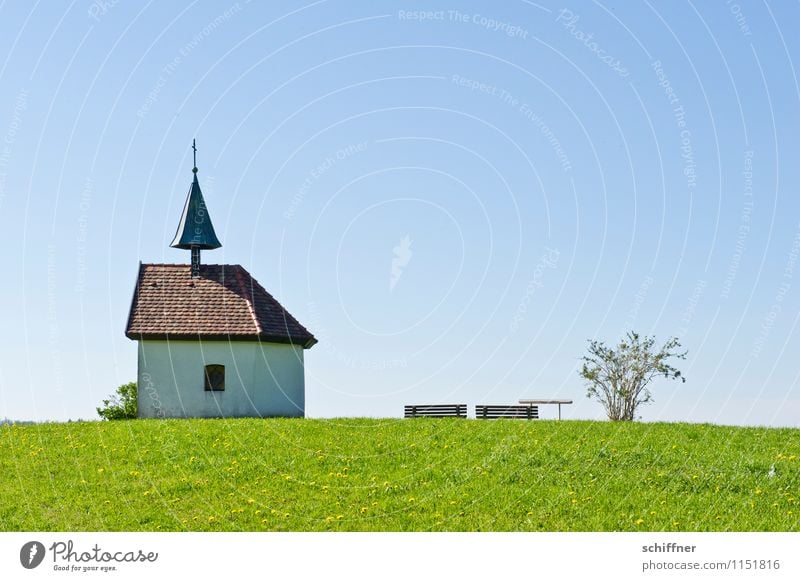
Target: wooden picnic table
x=558, y=402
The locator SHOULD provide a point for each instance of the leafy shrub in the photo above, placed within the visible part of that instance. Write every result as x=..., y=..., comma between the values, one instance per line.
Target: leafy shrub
x=619, y=378
x=121, y=406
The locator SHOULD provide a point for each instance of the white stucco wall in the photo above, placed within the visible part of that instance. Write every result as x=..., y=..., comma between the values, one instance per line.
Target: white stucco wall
x=261, y=379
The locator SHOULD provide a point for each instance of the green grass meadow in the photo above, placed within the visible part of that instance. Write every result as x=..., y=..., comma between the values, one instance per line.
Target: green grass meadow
x=397, y=475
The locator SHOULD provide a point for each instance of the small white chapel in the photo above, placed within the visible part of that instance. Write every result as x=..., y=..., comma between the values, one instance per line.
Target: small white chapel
x=212, y=342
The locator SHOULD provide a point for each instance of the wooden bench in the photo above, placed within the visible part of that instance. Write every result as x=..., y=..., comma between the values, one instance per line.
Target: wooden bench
x=445, y=410
x=493, y=412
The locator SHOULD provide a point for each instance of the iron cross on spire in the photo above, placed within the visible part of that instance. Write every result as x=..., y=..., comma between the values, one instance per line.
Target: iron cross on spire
x=194, y=153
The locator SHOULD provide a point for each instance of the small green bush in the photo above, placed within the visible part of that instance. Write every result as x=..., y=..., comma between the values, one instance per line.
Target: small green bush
x=121, y=406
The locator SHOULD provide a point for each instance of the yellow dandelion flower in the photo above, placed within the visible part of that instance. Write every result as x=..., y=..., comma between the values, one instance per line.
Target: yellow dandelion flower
x=639, y=521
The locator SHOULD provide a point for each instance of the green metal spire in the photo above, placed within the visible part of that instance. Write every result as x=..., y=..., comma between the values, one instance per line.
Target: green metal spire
x=195, y=231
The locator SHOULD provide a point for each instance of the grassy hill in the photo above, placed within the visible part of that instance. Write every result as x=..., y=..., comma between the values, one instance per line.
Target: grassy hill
x=397, y=475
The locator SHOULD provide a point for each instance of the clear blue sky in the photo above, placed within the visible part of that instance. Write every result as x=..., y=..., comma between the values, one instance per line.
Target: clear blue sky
x=540, y=174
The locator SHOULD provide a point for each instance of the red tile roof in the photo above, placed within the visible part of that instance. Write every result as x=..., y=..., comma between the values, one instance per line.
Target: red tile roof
x=224, y=302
